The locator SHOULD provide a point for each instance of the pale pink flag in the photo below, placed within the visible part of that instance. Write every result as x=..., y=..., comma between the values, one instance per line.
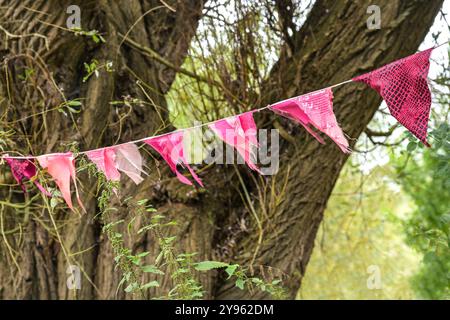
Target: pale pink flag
x=125, y=158
x=23, y=169
x=171, y=148
x=314, y=110
x=240, y=133
x=61, y=167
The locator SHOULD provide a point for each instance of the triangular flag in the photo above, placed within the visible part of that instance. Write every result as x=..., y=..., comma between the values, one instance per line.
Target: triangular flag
x=104, y=160
x=129, y=161
x=61, y=166
x=125, y=158
x=314, y=110
x=240, y=133
x=171, y=148
x=403, y=85
x=23, y=169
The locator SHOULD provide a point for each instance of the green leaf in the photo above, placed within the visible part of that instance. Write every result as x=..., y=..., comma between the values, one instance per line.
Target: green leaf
x=131, y=287
x=142, y=254
x=411, y=146
x=240, y=284
x=150, y=284
x=53, y=202
x=74, y=103
x=169, y=240
x=208, y=265
x=151, y=269
x=72, y=110
x=231, y=269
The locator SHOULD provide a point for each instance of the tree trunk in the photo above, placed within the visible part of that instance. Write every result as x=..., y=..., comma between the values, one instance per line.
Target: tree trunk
x=333, y=45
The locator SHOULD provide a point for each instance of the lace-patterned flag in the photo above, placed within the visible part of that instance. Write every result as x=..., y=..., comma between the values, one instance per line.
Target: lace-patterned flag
x=314, y=110
x=24, y=169
x=240, y=133
x=171, y=148
x=403, y=85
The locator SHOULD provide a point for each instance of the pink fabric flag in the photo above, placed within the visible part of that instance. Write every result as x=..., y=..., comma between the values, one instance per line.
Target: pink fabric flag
x=403, y=85
x=104, y=160
x=314, y=110
x=24, y=169
x=171, y=148
x=61, y=167
x=125, y=158
x=240, y=133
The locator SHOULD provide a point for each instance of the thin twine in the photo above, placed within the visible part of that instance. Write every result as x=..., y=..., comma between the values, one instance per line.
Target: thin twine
x=196, y=126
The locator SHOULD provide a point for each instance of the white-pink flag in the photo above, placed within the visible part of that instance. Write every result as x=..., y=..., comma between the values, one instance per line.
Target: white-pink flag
x=122, y=158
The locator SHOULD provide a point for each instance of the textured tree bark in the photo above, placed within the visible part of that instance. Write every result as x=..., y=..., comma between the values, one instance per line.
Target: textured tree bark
x=333, y=45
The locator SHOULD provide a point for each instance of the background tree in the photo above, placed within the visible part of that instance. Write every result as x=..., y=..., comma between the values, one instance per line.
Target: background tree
x=425, y=178
x=137, y=52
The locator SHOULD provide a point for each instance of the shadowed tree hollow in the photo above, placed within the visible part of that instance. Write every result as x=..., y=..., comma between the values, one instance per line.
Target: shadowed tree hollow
x=120, y=67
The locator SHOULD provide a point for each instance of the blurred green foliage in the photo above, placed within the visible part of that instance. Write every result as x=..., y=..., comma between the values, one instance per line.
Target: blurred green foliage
x=425, y=176
x=361, y=237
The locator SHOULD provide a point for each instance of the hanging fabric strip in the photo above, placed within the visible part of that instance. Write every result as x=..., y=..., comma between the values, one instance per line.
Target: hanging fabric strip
x=403, y=84
x=171, y=148
x=314, y=110
x=240, y=133
x=62, y=169
x=24, y=169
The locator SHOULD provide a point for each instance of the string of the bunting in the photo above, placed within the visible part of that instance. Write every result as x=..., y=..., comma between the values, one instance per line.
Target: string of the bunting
x=403, y=84
x=255, y=110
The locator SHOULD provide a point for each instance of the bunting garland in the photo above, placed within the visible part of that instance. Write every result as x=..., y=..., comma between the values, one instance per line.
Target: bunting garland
x=402, y=84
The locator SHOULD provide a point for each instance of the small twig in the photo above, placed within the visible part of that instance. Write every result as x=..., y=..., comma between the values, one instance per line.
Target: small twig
x=15, y=36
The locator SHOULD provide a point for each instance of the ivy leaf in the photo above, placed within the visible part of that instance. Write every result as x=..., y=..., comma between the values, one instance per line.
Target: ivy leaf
x=208, y=265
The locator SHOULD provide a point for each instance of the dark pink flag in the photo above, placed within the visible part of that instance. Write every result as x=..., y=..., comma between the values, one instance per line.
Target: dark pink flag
x=171, y=148
x=240, y=133
x=314, y=110
x=403, y=85
x=23, y=169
